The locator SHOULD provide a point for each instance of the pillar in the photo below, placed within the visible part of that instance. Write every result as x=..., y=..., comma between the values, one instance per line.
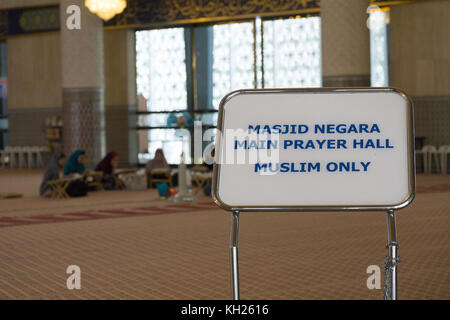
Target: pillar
x=120, y=95
x=420, y=64
x=345, y=43
x=82, y=84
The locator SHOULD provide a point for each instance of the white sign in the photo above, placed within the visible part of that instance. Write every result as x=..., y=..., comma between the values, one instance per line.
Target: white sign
x=315, y=149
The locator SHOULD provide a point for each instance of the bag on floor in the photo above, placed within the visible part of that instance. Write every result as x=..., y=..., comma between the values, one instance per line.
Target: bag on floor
x=77, y=188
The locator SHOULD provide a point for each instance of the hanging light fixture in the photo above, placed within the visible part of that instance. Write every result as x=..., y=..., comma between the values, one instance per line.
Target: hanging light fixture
x=106, y=9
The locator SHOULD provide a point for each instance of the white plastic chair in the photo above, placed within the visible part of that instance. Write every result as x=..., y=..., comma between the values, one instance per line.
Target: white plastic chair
x=10, y=155
x=13, y=157
x=428, y=152
x=17, y=157
x=3, y=155
x=22, y=152
x=34, y=156
x=444, y=152
x=29, y=153
x=38, y=151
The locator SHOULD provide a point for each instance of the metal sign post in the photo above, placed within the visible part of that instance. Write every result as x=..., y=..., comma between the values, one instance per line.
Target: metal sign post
x=234, y=239
x=392, y=260
x=390, y=264
x=341, y=149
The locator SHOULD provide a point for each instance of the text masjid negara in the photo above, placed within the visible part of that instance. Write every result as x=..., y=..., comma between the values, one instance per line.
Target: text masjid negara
x=287, y=130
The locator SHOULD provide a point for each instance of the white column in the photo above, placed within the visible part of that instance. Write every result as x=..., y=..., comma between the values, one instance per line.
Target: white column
x=345, y=43
x=83, y=83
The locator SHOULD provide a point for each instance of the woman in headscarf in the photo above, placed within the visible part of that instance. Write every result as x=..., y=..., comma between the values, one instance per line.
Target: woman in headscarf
x=52, y=172
x=73, y=168
x=158, y=162
x=75, y=164
x=108, y=165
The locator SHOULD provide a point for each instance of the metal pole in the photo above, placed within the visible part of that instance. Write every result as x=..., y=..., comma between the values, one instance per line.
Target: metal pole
x=392, y=260
x=234, y=236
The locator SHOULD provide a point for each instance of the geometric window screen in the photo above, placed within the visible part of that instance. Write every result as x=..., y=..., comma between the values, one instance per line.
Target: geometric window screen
x=233, y=59
x=379, y=48
x=161, y=80
x=263, y=53
x=161, y=68
x=292, y=53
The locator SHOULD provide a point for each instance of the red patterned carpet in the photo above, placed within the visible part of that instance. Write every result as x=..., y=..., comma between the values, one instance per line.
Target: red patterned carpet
x=6, y=221
x=131, y=245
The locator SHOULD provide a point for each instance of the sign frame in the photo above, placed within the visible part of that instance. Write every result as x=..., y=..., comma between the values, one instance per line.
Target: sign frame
x=332, y=90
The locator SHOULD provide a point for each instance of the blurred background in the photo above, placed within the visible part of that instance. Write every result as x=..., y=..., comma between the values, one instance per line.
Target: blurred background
x=120, y=83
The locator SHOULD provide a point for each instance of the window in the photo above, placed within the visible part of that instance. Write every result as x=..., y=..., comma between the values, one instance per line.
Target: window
x=233, y=59
x=379, y=48
x=161, y=68
x=172, y=141
x=185, y=72
x=161, y=85
x=292, y=53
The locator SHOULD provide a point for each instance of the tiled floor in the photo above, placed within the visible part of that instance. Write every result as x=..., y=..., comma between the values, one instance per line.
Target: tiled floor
x=129, y=245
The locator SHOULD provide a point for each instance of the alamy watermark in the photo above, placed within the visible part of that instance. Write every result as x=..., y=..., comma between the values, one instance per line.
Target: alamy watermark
x=74, y=280
x=73, y=21
x=374, y=280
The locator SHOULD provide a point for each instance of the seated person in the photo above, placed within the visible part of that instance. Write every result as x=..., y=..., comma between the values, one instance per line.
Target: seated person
x=74, y=168
x=75, y=164
x=159, y=162
x=52, y=172
x=108, y=166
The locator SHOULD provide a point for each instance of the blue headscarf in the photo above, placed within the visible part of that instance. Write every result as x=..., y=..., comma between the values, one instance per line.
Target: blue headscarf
x=72, y=165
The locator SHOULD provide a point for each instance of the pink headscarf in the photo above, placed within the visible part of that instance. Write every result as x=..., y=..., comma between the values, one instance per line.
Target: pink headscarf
x=105, y=165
